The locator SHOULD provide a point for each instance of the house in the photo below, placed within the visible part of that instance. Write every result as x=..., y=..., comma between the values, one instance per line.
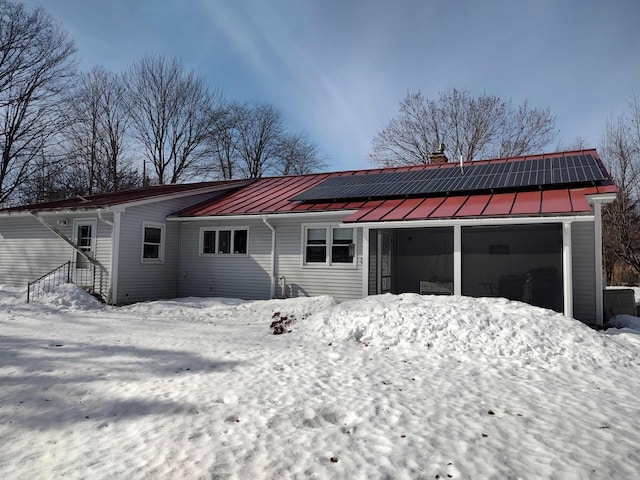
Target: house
x=119, y=245
x=525, y=228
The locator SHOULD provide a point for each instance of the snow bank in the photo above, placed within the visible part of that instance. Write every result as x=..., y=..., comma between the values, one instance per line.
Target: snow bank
x=205, y=309
x=70, y=296
x=490, y=328
x=66, y=295
x=625, y=321
x=199, y=388
x=10, y=295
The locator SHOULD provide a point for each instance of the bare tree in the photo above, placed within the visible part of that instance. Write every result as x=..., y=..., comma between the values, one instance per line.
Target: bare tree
x=50, y=179
x=171, y=116
x=297, y=156
x=224, y=142
x=97, y=132
x=620, y=149
x=259, y=131
x=36, y=64
x=250, y=141
x=578, y=143
x=482, y=127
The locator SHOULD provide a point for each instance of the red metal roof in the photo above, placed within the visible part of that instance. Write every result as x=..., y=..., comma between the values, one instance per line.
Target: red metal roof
x=273, y=196
x=103, y=200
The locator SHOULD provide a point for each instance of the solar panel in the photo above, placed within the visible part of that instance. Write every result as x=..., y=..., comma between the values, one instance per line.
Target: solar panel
x=575, y=169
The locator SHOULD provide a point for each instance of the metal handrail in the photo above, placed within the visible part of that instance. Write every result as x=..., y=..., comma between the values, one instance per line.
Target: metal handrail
x=89, y=277
x=55, y=273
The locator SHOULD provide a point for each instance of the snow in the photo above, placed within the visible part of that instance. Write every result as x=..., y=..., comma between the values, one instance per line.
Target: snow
x=390, y=386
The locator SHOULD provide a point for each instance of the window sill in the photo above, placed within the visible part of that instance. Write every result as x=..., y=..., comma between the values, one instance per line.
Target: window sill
x=331, y=266
x=151, y=261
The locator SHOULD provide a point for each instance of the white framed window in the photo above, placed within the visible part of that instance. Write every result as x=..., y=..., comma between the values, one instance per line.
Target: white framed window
x=153, y=239
x=224, y=241
x=329, y=245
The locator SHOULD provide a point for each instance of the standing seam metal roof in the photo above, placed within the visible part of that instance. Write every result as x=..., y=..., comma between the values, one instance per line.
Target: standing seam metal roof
x=273, y=196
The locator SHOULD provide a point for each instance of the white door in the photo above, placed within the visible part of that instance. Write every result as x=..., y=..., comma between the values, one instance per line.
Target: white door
x=84, y=236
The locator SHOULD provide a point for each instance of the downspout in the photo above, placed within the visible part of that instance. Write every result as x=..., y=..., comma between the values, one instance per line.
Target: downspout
x=104, y=220
x=115, y=253
x=272, y=272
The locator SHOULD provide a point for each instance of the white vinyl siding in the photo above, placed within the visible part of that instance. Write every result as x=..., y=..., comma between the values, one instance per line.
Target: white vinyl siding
x=340, y=282
x=225, y=275
x=29, y=250
x=248, y=277
x=583, y=266
x=140, y=281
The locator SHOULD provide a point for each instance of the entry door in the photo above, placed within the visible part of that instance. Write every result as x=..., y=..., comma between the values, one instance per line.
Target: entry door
x=84, y=236
x=385, y=258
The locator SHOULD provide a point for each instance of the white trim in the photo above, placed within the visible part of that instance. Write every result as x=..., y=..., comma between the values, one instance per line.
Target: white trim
x=365, y=262
x=272, y=273
x=93, y=222
x=603, y=198
x=258, y=216
x=218, y=229
x=457, y=260
x=464, y=222
x=115, y=255
x=163, y=241
x=597, y=201
x=597, y=209
x=567, y=270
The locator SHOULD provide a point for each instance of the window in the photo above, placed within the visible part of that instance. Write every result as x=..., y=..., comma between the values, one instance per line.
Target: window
x=152, y=243
x=342, y=246
x=329, y=245
x=224, y=241
x=316, y=251
x=84, y=241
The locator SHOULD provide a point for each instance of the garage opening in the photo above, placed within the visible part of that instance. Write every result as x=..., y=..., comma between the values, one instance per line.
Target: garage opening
x=518, y=262
x=412, y=260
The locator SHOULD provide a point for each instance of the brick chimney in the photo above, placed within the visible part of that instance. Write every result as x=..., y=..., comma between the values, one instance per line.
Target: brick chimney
x=439, y=156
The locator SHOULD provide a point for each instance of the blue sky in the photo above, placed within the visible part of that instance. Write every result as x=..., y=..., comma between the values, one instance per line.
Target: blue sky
x=337, y=69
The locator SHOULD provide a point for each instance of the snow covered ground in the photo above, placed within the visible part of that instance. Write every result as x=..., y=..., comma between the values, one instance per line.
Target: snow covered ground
x=400, y=387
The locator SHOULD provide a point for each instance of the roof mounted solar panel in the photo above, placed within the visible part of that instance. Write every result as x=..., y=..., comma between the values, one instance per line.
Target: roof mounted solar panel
x=447, y=179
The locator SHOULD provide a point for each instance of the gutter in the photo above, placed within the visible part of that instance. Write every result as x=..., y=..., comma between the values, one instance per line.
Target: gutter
x=471, y=221
x=253, y=216
x=272, y=273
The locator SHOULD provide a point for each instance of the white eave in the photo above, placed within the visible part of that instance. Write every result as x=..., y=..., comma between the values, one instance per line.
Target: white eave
x=603, y=198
